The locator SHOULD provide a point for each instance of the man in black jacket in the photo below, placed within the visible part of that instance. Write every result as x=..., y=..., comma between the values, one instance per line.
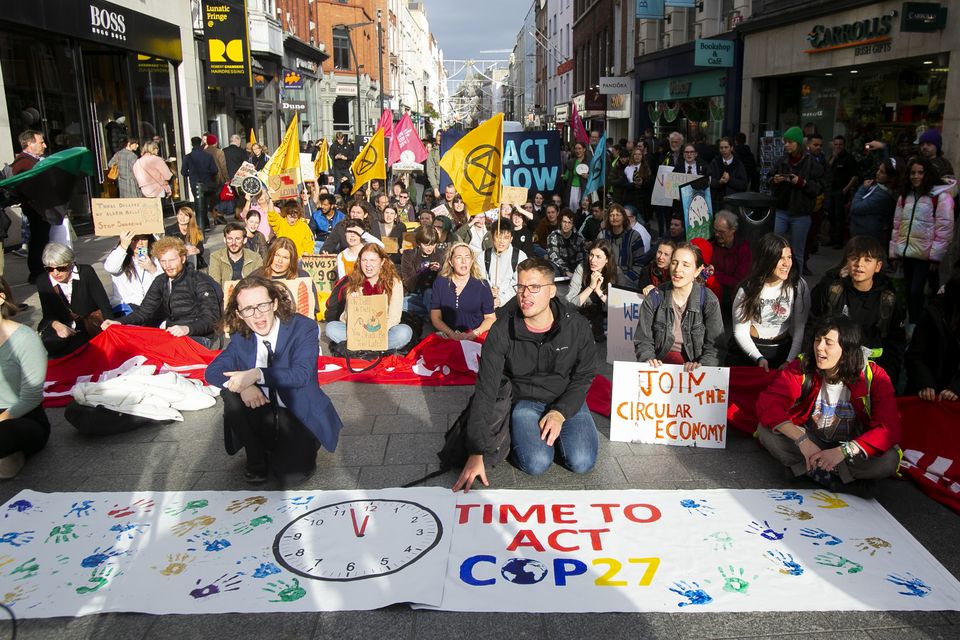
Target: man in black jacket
x=234, y=155
x=182, y=297
x=201, y=170
x=549, y=356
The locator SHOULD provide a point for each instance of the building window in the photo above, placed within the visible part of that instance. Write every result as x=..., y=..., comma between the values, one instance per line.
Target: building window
x=341, y=49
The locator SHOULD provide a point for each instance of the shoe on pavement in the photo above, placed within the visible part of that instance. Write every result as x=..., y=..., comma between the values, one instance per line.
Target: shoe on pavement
x=255, y=477
x=11, y=465
x=21, y=253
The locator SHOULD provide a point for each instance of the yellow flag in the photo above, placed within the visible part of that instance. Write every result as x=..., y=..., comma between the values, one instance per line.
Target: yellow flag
x=475, y=165
x=253, y=136
x=287, y=155
x=370, y=163
x=322, y=164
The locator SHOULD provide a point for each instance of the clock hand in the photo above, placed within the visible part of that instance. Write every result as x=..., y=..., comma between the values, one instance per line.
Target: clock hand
x=361, y=528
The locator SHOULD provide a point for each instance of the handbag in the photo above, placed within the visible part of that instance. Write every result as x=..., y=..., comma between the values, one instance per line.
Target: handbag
x=226, y=193
x=113, y=172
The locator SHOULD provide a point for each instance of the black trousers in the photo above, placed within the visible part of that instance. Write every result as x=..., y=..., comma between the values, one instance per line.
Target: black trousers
x=285, y=449
x=39, y=237
x=28, y=433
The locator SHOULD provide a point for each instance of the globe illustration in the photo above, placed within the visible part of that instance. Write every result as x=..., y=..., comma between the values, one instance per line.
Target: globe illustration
x=523, y=571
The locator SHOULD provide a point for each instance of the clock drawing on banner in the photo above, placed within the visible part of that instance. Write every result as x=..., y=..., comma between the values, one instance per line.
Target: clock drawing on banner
x=357, y=539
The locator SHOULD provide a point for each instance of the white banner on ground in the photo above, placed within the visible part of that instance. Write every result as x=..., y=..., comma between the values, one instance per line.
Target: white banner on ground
x=623, y=313
x=73, y=554
x=668, y=405
x=666, y=186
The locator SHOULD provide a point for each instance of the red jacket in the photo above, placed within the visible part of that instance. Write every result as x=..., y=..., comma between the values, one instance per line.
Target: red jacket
x=731, y=266
x=882, y=427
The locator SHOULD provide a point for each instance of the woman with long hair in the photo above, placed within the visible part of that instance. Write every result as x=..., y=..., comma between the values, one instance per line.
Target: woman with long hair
x=132, y=268
x=23, y=360
x=626, y=242
x=874, y=203
x=832, y=414
x=459, y=215
x=922, y=231
x=770, y=309
x=282, y=261
x=374, y=274
x=189, y=232
x=589, y=286
x=658, y=271
x=680, y=320
x=391, y=227
x=462, y=304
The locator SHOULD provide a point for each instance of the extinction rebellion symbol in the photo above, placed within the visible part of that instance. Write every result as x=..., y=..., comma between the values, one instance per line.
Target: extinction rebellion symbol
x=480, y=167
x=369, y=160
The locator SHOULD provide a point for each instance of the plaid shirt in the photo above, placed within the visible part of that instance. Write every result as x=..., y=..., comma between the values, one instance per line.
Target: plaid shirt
x=565, y=253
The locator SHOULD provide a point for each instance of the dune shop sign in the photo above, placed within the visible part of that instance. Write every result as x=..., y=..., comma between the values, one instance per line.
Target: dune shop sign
x=851, y=34
x=228, y=43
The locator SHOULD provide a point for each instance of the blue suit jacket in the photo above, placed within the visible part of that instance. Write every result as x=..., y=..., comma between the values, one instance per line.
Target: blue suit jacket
x=293, y=375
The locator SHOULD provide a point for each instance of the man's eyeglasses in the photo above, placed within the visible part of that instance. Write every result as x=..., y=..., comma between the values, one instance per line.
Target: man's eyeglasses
x=262, y=308
x=532, y=288
x=64, y=269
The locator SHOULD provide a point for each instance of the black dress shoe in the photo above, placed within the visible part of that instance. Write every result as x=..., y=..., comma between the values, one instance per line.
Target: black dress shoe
x=255, y=477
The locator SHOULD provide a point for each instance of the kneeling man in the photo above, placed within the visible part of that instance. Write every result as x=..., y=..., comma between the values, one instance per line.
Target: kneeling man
x=547, y=353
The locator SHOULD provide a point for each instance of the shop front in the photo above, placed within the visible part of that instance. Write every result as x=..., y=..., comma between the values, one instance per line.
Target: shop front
x=300, y=86
x=874, y=72
x=88, y=74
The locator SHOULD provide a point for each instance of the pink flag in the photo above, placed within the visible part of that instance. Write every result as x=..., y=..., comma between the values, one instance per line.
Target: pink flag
x=579, y=132
x=405, y=138
x=386, y=123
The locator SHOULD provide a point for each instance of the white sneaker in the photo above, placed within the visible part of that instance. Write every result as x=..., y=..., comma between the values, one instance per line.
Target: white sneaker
x=11, y=465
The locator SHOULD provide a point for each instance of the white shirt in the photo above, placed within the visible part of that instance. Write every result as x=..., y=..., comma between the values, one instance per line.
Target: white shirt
x=692, y=169
x=501, y=265
x=644, y=235
x=262, y=356
x=66, y=287
x=128, y=290
x=778, y=317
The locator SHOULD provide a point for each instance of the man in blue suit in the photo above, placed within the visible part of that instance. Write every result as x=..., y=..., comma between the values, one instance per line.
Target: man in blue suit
x=273, y=405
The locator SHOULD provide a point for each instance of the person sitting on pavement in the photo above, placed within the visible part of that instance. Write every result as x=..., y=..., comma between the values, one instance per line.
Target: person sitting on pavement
x=680, y=320
x=462, y=301
x=832, y=415
x=933, y=357
x=770, y=309
x=374, y=274
x=593, y=225
x=183, y=300
x=391, y=227
x=253, y=239
x=547, y=354
x=731, y=257
x=627, y=244
x=273, y=407
x=23, y=360
x=590, y=286
x=522, y=236
x=132, y=268
x=498, y=265
x=565, y=247
x=73, y=302
x=293, y=225
x=444, y=228
x=355, y=235
x=359, y=210
x=187, y=230
x=234, y=261
x=418, y=270
x=549, y=223
x=658, y=271
x=860, y=290
x=475, y=234
x=325, y=217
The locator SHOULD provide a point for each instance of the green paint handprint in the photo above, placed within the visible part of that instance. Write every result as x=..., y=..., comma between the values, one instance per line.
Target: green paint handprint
x=733, y=579
x=28, y=568
x=286, y=591
x=62, y=533
x=246, y=527
x=193, y=506
x=839, y=562
x=721, y=540
x=99, y=579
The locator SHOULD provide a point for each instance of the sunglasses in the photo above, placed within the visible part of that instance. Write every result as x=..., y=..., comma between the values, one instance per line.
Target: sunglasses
x=64, y=269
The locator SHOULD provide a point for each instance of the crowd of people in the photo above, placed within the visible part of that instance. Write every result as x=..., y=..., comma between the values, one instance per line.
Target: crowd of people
x=532, y=283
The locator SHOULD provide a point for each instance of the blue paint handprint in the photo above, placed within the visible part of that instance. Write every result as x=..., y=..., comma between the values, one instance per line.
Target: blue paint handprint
x=80, y=509
x=765, y=531
x=297, y=502
x=98, y=557
x=210, y=541
x=914, y=585
x=785, y=563
x=692, y=592
x=821, y=536
x=693, y=506
x=785, y=496
x=265, y=570
x=129, y=528
x=16, y=538
x=19, y=506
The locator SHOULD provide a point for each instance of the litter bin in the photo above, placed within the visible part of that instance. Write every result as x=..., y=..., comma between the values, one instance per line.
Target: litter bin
x=757, y=214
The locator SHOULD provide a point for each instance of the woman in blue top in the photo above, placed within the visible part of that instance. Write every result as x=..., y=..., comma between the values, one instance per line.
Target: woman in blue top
x=462, y=303
x=874, y=203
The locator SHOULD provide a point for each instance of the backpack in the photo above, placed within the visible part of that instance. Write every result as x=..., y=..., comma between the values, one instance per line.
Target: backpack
x=488, y=256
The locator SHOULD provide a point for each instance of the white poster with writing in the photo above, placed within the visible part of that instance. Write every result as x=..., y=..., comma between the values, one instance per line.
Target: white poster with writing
x=666, y=186
x=623, y=313
x=667, y=405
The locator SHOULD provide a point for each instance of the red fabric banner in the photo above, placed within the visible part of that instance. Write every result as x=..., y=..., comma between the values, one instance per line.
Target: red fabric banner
x=405, y=138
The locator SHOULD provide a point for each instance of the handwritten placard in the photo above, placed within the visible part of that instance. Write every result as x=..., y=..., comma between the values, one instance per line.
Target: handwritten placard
x=113, y=216
x=668, y=405
x=623, y=313
x=514, y=195
x=441, y=210
x=367, y=323
x=307, y=174
x=245, y=171
x=390, y=244
x=284, y=185
x=665, y=188
x=322, y=269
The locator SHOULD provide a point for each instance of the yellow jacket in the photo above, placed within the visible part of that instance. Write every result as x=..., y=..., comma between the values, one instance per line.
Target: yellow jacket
x=299, y=232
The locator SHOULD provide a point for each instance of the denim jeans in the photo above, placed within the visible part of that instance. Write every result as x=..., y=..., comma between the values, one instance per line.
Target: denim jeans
x=418, y=303
x=397, y=336
x=578, y=442
x=798, y=227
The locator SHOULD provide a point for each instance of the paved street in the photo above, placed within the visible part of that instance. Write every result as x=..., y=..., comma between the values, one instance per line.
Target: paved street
x=391, y=435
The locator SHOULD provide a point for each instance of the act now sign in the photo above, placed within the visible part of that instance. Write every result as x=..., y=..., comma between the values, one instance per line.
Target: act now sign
x=531, y=159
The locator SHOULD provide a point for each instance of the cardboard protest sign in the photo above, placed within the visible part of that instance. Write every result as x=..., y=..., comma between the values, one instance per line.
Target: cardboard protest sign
x=697, y=209
x=284, y=185
x=514, y=195
x=367, y=323
x=408, y=240
x=245, y=171
x=301, y=294
x=623, y=313
x=113, y=216
x=665, y=187
x=322, y=269
x=307, y=173
x=440, y=210
x=390, y=244
x=667, y=405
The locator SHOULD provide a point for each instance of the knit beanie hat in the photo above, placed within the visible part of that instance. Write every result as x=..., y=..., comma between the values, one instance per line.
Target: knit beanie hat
x=933, y=137
x=794, y=134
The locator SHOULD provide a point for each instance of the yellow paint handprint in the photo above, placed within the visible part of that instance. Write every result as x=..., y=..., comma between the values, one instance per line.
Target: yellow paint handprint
x=828, y=500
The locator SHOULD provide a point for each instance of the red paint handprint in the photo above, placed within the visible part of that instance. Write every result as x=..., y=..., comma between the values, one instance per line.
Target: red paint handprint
x=143, y=505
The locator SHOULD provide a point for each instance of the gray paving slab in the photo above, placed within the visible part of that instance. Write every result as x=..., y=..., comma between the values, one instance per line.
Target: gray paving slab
x=915, y=633
x=109, y=625
x=236, y=626
x=443, y=625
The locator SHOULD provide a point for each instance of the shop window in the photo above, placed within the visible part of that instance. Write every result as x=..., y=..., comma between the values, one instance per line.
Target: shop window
x=341, y=49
